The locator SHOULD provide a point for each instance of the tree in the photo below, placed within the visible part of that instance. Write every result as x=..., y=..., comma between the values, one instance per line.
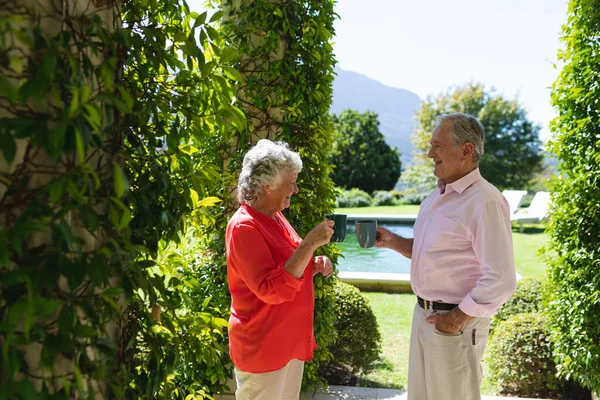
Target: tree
x=360, y=154
x=573, y=252
x=512, y=147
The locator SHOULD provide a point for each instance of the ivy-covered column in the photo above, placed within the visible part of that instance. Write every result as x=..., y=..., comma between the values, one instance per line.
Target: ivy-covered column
x=286, y=63
x=52, y=159
x=574, y=255
x=111, y=117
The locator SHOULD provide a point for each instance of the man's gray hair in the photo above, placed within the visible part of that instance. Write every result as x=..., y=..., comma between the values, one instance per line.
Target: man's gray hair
x=263, y=165
x=465, y=129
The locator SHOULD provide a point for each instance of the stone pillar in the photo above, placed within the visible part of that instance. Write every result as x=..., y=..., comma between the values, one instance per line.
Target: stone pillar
x=50, y=16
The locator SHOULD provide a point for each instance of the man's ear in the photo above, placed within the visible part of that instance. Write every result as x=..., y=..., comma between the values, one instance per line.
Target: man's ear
x=468, y=150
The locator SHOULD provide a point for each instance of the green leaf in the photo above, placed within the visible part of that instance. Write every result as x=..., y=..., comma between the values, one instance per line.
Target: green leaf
x=27, y=390
x=216, y=16
x=120, y=182
x=228, y=55
x=9, y=147
x=233, y=73
x=200, y=20
x=73, y=105
x=209, y=201
x=84, y=331
x=80, y=146
x=127, y=99
x=98, y=270
x=66, y=319
x=7, y=89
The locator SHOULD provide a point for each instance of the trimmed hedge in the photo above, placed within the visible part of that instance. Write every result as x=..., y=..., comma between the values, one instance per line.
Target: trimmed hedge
x=383, y=198
x=359, y=342
x=520, y=357
x=527, y=298
x=574, y=250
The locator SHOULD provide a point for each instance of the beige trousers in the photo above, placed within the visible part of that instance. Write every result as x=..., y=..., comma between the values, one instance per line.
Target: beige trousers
x=445, y=367
x=283, y=384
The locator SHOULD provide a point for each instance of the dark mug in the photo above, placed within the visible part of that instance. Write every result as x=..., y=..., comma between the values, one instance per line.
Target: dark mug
x=366, y=232
x=339, y=229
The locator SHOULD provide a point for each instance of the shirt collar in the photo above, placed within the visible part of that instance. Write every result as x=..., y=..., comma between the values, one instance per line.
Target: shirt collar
x=463, y=183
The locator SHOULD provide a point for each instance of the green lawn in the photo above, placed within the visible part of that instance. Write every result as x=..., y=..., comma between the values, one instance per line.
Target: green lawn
x=394, y=316
x=394, y=311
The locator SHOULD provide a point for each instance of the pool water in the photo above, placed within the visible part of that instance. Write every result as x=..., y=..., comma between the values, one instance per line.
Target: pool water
x=358, y=259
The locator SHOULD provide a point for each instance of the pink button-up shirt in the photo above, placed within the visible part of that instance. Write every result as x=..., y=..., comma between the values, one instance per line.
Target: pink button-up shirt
x=462, y=252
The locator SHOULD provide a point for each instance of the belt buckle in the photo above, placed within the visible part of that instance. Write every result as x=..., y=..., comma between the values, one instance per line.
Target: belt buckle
x=428, y=305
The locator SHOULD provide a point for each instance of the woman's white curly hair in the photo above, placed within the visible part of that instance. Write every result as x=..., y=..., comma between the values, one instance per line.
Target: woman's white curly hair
x=263, y=165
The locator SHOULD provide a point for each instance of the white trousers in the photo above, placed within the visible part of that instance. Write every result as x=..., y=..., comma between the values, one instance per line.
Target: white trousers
x=283, y=384
x=445, y=367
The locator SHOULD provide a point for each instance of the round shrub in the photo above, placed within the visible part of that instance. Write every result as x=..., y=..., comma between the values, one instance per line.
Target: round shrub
x=527, y=298
x=520, y=357
x=383, y=198
x=342, y=201
x=414, y=198
x=358, y=198
x=359, y=342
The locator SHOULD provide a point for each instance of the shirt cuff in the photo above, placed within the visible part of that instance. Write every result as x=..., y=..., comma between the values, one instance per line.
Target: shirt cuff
x=281, y=275
x=473, y=309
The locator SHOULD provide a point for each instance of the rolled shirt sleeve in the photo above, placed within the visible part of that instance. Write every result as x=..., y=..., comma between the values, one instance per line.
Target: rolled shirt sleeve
x=493, y=248
x=253, y=262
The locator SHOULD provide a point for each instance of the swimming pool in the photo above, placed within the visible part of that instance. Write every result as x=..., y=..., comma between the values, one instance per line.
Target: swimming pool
x=357, y=259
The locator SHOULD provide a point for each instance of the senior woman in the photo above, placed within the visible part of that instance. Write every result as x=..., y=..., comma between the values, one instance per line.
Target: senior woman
x=270, y=270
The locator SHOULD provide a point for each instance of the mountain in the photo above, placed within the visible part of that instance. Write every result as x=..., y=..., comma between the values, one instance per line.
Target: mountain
x=395, y=107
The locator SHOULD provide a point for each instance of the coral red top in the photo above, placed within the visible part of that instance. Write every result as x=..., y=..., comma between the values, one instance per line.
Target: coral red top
x=271, y=311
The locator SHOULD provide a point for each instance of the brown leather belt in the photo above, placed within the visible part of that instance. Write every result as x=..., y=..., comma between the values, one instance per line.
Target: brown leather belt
x=435, y=305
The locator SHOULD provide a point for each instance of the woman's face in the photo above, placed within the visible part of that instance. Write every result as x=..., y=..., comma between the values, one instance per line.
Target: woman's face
x=279, y=197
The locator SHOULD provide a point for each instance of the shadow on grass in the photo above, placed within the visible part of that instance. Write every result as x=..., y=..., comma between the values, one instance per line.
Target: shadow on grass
x=382, y=365
x=336, y=374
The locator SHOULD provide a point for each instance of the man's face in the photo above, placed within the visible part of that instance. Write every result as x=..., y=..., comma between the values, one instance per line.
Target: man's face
x=449, y=159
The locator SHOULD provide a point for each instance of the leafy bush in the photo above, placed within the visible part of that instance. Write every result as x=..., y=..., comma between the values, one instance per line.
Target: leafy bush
x=526, y=299
x=520, y=357
x=342, y=201
x=398, y=194
x=359, y=341
x=383, y=198
x=573, y=252
x=414, y=198
x=358, y=198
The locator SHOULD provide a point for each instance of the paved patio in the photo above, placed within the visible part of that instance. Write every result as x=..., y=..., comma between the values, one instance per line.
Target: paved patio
x=358, y=393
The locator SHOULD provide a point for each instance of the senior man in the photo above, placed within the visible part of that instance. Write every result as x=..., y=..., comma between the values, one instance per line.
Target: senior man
x=462, y=266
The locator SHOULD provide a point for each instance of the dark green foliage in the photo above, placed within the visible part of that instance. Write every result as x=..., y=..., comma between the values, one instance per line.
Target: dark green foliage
x=286, y=61
x=358, y=339
x=527, y=298
x=574, y=248
x=108, y=122
x=512, y=155
x=361, y=157
x=519, y=356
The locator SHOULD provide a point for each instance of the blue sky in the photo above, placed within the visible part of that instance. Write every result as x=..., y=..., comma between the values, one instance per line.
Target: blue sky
x=428, y=46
